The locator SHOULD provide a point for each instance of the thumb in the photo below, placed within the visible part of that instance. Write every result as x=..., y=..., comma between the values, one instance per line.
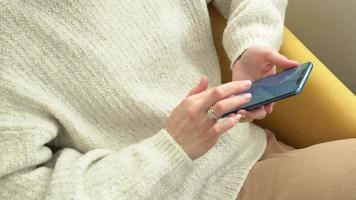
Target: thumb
x=279, y=60
x=202, y=86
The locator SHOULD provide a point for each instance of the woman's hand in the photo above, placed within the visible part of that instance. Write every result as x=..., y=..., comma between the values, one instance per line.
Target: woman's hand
x=256, y=63
x=189, y=123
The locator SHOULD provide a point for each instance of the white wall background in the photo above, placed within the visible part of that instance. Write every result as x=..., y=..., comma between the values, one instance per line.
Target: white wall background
x=328, y=29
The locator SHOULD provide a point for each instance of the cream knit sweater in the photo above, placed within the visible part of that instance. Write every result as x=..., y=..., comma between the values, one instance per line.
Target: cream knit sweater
x=87, y=85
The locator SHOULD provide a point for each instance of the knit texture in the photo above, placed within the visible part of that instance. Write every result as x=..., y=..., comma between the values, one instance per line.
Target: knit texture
x=87, y=85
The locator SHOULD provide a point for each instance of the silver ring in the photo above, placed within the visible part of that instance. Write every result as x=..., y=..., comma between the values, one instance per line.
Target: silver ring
x=212, y=114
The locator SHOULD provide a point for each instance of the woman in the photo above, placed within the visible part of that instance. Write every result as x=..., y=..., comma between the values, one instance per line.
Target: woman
x=94, y=100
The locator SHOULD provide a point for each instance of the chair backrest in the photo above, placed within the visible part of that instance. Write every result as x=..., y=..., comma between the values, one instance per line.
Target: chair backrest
x=324, y=111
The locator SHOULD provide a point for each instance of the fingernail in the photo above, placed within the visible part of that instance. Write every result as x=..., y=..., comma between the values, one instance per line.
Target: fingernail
x=248, y=83
x=238, y=116
x=247, y=96
x=241, y=112
x=203, y=77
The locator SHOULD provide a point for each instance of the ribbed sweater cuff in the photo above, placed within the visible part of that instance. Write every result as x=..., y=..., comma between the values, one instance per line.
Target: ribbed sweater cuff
x=235, y=54
x=235, y=45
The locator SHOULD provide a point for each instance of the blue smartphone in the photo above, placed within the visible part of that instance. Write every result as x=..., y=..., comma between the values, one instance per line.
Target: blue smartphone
x=276, y=87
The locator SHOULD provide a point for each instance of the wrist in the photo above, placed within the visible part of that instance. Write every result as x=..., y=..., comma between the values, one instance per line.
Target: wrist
x=238, y=58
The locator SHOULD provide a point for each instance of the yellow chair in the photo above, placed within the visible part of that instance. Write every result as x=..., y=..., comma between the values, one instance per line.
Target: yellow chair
x=324, y=111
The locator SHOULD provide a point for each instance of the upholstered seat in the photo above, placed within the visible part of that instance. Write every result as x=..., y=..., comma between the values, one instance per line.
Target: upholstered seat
x=324, y=111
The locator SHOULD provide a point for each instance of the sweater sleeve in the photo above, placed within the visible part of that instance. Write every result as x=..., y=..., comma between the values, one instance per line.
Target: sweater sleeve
x=29, y=170
x=251, y=22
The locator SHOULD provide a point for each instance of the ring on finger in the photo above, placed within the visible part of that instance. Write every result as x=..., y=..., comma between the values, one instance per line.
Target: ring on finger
x=212, y=114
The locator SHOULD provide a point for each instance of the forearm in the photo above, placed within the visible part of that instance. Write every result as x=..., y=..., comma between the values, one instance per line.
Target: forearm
x=147, y=169
x=28, y=170
x=251, y=23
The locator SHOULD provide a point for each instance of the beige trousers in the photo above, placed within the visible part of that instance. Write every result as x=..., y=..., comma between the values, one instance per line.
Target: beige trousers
x=323, y=171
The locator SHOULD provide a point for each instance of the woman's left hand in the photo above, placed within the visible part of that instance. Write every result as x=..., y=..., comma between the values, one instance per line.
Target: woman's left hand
x=256, y=63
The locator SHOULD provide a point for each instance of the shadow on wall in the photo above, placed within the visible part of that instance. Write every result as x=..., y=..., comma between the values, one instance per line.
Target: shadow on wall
x=328, y=29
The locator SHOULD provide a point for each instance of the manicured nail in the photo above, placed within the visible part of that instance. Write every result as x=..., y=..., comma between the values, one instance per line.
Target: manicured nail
x=247, y=96
x=242, y=112
x=248, y=83
x=238, y=116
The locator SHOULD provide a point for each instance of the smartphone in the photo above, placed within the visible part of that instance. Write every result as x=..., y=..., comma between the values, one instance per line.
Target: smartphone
x=276, y=87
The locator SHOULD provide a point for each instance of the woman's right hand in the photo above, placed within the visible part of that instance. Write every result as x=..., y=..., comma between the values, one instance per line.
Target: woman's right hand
x=189, y=123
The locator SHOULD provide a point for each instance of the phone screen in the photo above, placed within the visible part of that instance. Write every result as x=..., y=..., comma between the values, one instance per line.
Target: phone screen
x=278, y=86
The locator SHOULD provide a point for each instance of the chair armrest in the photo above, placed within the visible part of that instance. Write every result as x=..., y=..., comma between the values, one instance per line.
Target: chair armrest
x=324, y=111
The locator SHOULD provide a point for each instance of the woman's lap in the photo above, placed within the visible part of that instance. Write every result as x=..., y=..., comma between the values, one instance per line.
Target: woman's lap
x=322, y=171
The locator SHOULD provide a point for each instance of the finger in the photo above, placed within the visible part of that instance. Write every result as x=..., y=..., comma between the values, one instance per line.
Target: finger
x=295, y=62
x=268, y=71
x=202, y=86
x=258, y=113
x=269, y=108
x=228, y=104
x=244, y=117
x=276, y=58
x=224, y=91
x=223, y=126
